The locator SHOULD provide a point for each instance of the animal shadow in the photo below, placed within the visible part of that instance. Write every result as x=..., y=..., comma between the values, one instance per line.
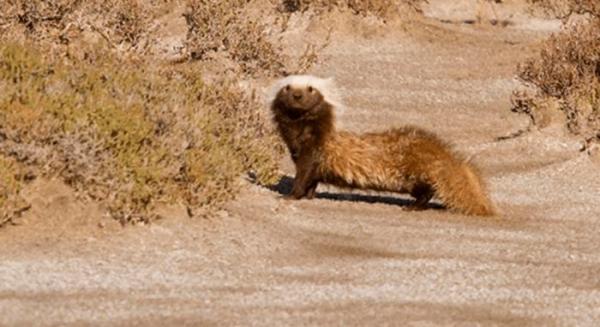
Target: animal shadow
x=284, y=187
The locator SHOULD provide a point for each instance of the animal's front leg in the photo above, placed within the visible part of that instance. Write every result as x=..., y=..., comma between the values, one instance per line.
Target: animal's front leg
x=305, y=181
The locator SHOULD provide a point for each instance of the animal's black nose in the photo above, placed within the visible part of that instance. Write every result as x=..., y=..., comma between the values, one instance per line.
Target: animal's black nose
x=297, y=96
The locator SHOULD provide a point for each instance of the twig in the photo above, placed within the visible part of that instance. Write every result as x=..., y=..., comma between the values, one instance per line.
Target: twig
x=514, y=134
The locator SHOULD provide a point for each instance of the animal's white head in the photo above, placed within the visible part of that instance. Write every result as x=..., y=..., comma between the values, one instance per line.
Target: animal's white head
x=303, y=90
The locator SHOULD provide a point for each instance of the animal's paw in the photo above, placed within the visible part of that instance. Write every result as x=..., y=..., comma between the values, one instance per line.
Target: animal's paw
x=288, y=197
x=415, y=207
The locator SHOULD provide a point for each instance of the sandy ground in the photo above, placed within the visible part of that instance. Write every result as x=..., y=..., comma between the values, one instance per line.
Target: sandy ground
x=357, y=259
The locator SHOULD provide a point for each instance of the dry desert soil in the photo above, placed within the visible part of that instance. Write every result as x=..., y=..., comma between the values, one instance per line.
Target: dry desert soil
x=347, y=258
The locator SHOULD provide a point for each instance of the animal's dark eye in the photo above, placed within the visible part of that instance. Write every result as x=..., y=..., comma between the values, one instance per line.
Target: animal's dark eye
x=310, y=89
x=286, y=88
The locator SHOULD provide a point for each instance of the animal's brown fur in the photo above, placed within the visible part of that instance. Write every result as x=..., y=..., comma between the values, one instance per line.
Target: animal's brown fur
x=407, y=160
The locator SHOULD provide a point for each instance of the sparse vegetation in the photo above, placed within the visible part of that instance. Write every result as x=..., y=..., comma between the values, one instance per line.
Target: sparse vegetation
x=57, y=24
x=377, y=8
x=565, y=8
x=223, y=27
x=566, y=75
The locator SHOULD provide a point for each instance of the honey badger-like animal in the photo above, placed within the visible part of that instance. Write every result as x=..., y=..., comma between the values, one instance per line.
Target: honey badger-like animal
x=405, y=160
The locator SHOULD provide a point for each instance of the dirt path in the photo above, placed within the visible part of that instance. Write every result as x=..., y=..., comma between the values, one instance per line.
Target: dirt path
x=356, y=259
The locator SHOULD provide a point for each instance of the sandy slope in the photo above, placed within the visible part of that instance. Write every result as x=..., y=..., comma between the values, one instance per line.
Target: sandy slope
x=355, y=259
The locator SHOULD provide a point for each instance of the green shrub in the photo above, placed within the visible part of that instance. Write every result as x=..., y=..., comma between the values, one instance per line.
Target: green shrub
x=132, y=136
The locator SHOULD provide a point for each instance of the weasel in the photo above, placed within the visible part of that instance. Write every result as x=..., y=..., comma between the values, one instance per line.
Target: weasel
x=404, y=160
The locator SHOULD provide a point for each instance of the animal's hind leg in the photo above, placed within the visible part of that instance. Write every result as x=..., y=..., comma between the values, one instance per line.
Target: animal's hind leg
x=422, y=194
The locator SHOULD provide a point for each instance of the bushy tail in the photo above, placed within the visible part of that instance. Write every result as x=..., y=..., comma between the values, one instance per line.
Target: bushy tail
x=459, y=186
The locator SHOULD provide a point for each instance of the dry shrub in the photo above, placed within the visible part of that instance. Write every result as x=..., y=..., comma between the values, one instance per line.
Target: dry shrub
x=566, y=8
x=57, y=23
x=129, y=20
x=82, y=100
x=132, y=136
x=11, y=182
x=566, y=74
x=216, y=27
x=37, y=15
x=226, y=34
